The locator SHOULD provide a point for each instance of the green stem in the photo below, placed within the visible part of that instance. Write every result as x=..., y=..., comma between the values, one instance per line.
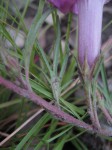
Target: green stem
x=45, y=59
x=90, y=104
x=57, y=46
x=91, y=96
x=64, y=65
x=95, y=104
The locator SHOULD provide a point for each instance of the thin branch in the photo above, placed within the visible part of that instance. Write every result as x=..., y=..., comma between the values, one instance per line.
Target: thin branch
x=51, y=108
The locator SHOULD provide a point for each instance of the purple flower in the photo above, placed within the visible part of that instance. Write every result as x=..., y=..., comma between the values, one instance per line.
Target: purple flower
x=65, y=6
x=90, y=25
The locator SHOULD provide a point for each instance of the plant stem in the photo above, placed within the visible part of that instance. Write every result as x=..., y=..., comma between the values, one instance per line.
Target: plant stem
x=92, y=105
x=67, y=50
x=57, y=47
x=55, y=111
x=49, y=107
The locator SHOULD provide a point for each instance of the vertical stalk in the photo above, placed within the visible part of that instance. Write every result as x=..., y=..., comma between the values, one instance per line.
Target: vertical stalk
x=64, y=65
x=92, y=108
x=31, y=39
x=57, y=46
x=55, y=82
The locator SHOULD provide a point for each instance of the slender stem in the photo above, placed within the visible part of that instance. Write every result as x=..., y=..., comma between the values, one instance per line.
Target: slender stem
x=31, y=37
x=90, y=105
x=97, y=123
x=64, y=65
x=54, y=14
x=68, y=28
x=95, y=106
x=57, y=46
x=44, y=58
x=55, y=82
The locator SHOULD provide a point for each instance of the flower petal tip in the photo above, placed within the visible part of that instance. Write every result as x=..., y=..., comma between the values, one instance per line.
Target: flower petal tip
x=65, y=6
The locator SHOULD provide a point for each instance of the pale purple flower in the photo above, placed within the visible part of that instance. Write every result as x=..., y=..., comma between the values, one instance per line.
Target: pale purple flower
x=89, y=23
x=90, y=26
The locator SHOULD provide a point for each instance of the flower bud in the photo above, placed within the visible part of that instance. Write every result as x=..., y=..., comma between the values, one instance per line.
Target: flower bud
x=89, y=26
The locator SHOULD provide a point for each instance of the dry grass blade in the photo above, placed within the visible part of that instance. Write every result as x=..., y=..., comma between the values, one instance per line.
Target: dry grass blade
x=14, y=117
x=71, y=86
x=108, y=59
x=4, y=134
x=21, y=127
x=107, y=45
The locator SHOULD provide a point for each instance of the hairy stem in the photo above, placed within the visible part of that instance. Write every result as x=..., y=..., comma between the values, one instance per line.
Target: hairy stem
x=92, y=110
x=49, y=107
